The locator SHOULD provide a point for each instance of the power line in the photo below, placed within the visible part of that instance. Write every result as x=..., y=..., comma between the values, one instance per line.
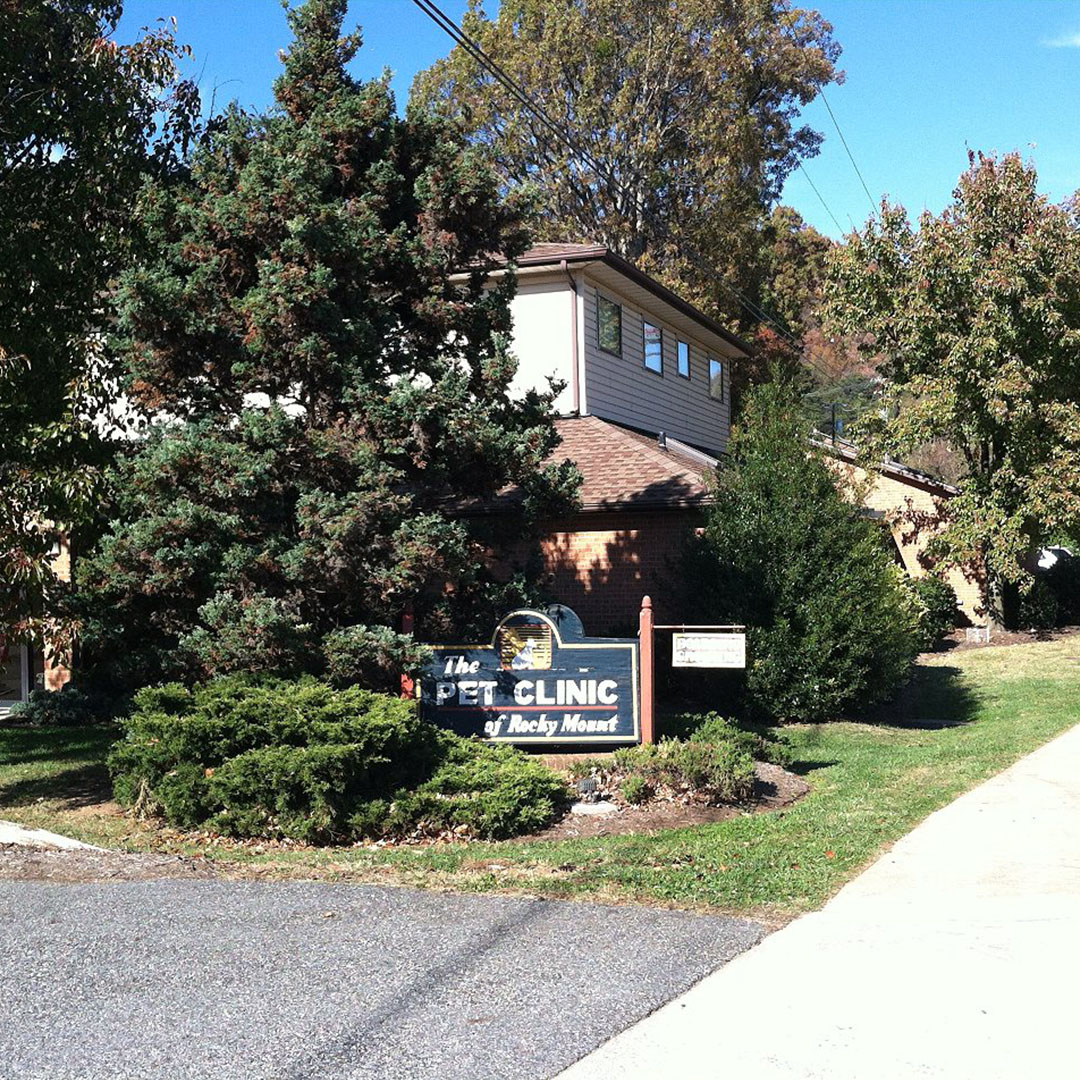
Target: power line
x=851, y=157
x=828, y=210
x=450, y=27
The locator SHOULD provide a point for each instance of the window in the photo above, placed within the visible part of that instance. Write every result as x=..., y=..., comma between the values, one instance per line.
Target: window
x=609, y=325
x=716, y=379
x=653, y=341
x=682, y=351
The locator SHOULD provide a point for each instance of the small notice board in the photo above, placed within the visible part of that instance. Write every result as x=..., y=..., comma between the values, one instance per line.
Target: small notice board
x=708, y=650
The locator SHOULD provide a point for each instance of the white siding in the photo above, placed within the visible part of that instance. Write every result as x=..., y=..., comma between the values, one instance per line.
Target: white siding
x=622, y=389
x=543, y=338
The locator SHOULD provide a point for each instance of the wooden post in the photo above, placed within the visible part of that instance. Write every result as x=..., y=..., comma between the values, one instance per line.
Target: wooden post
x=407, y=685
x=645, y=640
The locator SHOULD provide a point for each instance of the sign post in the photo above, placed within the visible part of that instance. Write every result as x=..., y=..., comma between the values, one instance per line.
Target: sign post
x=408, y=688
x=648, y=692
x=692, y=646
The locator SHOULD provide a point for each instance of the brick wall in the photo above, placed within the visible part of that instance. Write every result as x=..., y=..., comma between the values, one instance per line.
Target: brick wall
x=602, y=563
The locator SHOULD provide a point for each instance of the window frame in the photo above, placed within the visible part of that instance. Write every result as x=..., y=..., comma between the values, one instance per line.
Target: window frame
x=645, y=346
x=602, y=299
x=679, y=345
x=720, y=364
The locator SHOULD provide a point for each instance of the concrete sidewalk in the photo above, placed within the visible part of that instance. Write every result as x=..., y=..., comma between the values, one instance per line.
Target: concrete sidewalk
x=956, y=955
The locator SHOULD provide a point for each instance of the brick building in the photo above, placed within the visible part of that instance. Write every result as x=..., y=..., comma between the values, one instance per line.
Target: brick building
x=641, y=499
x=634, y=360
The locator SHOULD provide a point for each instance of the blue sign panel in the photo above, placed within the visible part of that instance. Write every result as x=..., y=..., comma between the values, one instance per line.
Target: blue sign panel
x=539, y=681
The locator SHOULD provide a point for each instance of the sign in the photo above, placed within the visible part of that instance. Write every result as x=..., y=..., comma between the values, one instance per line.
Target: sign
x=708, y=650
x=540, y=680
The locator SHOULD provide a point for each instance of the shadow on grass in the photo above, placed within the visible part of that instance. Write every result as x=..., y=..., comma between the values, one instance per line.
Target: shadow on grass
x=935, y=698
x=804, y=768
x=23, y=744
x=74, y=788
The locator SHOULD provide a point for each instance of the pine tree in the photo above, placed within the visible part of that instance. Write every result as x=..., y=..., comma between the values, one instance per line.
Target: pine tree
x=318, y=323
x=830, y=624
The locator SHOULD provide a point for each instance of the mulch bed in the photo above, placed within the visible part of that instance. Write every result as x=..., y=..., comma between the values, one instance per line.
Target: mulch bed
x=774, y=789
x=958, y=638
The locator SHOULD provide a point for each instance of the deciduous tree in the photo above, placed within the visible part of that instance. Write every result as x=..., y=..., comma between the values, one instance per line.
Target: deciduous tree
x=82, y=121
x=689, y=108
x=977, y=311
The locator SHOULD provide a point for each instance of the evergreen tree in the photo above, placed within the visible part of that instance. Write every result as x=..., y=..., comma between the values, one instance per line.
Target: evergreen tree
x=831, y=626
x=318, y=325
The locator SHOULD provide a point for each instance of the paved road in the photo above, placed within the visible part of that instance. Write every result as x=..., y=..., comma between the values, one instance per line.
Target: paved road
x=229, y=980
x=954, y=957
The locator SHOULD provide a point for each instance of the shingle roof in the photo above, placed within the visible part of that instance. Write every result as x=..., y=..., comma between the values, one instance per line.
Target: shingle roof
x=622, y=468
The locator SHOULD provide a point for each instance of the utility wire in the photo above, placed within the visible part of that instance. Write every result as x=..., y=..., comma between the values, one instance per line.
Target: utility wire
x=828, y=210
x=448, y=25
x=851, y=156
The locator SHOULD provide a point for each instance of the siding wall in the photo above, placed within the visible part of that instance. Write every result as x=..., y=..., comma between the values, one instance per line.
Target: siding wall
x=543, y=339
x=622, y=389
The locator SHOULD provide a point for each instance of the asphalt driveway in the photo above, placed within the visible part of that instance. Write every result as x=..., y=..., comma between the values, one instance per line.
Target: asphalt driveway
x=283, y=981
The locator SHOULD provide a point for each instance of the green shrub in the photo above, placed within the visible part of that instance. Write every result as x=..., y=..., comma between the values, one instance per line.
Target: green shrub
x=716, y=772
x=66, y=707
x=937, y=608
x=492, y=791
x=830, y=626
x=757, y=740
x=1039, y=609
x=635, y=789
x=306, y=793
x=583, y=766
x=308, y=762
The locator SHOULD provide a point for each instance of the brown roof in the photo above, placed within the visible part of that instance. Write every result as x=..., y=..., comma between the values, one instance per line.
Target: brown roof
x=621, y=469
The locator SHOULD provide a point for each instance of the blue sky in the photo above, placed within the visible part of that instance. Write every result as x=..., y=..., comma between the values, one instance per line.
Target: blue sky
x=925, y=80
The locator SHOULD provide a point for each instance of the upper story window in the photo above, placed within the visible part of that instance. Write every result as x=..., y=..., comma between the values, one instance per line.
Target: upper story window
x=682, y=359
x=609, y=325
x=716, y=379
x=653, y=342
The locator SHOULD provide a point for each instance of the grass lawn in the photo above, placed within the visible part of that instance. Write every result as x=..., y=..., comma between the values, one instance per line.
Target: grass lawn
x=966, y=716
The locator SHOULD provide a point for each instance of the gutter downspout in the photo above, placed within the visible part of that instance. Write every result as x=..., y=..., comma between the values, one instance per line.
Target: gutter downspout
x=575, y=382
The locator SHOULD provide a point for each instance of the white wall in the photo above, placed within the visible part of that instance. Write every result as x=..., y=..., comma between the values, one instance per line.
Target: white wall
x=543, y=337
